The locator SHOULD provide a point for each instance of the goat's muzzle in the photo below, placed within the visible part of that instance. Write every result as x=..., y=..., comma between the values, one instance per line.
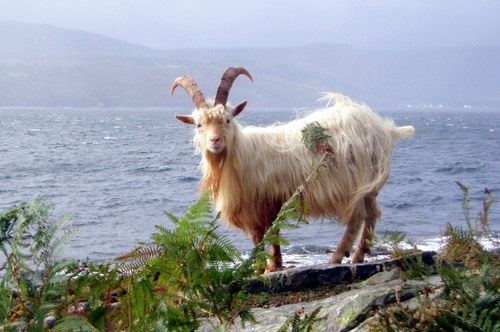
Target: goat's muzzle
x=215, y=144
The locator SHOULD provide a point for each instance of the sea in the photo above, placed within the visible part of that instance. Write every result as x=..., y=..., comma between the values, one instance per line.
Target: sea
x=119, y=169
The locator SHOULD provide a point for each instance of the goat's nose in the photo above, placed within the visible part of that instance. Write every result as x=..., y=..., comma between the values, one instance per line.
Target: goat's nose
x=215, y=139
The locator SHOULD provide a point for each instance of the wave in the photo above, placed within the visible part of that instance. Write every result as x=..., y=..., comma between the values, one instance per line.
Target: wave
x=399, y=205
x=188, y=179
x=458, y=169
x=415, y=180
x=152, y=169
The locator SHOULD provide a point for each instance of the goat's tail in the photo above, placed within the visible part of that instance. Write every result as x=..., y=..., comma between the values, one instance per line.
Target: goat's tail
x=401, y=132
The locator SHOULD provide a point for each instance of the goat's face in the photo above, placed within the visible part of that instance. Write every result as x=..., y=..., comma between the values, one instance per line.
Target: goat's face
x=215, y=127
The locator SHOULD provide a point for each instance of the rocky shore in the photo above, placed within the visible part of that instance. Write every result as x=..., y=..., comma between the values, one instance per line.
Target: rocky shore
x=372, y=286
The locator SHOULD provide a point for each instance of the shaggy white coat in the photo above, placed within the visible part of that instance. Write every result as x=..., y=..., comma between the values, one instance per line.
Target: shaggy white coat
x=260, y=168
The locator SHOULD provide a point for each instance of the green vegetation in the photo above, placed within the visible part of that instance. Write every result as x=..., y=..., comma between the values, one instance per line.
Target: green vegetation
x=470, y=298
x=34, y=282
x=185, y=274
x=301, y=321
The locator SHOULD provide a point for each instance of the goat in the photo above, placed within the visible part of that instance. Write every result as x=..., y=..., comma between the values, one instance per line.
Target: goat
x=252, y=171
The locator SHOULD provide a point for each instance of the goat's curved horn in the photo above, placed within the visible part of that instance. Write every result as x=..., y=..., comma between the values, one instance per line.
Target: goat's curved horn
x=192, y=89
x=227, y=81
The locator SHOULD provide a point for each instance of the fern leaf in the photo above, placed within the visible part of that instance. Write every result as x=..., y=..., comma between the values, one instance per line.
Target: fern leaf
x=140, y=253
x=48, y=230
x=73, y=323
x=162, y=230
x=171, y=217
x=138, y=258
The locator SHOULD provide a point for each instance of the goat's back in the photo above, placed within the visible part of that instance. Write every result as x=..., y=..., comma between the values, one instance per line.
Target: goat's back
x=276, y=162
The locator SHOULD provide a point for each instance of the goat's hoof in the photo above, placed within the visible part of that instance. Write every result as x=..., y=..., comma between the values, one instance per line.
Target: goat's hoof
x=337, y=258
x=272, y=269
x=358, y=258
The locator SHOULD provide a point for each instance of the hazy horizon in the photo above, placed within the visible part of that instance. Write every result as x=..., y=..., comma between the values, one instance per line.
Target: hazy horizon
x=392, y=25
x=385, y=53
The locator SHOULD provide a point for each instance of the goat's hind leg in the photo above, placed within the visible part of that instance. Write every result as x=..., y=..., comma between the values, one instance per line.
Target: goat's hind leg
x=373, y=214
x=345, y=245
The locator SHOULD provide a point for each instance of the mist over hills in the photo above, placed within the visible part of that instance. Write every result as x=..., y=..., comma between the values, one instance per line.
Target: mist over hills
x=43, y=40
x=42, y=65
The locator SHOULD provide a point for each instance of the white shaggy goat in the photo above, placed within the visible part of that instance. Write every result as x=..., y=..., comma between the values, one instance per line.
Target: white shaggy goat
x=252, y=171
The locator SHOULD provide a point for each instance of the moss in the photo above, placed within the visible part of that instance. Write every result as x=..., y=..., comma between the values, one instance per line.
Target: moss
x=269, y=300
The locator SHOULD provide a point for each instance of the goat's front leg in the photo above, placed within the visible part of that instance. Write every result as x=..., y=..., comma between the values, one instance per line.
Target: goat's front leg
x=276, y=261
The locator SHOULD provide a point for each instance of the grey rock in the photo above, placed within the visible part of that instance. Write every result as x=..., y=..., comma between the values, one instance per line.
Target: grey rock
x=49, y=322
x=343, y=312
x=378, y=279
x=19, y=327
x=379, y=284
x=326, y=274
x=434, y=282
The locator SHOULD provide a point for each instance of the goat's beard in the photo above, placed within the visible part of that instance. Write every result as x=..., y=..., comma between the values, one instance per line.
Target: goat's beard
x=213, y=171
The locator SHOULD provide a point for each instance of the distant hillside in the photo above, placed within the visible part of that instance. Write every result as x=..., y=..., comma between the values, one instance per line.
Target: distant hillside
x=42, y=40
x=41, y=65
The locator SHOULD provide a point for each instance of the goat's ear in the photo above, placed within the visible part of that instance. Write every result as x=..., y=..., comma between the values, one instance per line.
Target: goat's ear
x=239, y=108
x=187, y=119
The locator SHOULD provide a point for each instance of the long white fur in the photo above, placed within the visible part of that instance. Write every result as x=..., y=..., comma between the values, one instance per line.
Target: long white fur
x=262, y=167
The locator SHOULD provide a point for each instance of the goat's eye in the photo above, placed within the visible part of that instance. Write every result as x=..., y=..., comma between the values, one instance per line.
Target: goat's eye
x=198, y=125
x=228, y=121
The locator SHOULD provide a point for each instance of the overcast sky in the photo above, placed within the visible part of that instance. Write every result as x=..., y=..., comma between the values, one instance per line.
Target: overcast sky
x=369, y=24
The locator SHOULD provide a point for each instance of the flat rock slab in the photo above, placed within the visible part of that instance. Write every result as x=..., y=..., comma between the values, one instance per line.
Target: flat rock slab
x=328, y=274
x=380, y=286
x=344, y=312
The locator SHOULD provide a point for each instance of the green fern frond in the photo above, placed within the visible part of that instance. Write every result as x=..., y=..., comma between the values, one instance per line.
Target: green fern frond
x=247, y=317
x=62, y=267
x=313, y=134
x=73, y=323
x=140, y=253
x=138, y=258
x=171, y=217
x=162, y=230
x=60, y=244
x=226, y=250
x=8, y=221
x=47, y=230
x=201, y=210
x=301, y=321
x=15, y=264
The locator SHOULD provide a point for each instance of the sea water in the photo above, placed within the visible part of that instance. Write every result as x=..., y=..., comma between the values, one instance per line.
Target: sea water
x=118, y=170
